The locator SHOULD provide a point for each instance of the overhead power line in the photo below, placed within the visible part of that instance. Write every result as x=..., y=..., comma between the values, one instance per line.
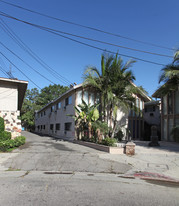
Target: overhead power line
x=77, y=41
x=19, y=70
x=87, y=27
x=26, y=63
x=107, y=43
x=12, y=35
x=3, y=71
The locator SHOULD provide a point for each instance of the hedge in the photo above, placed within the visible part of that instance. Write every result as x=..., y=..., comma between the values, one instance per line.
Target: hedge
x=11, y=143
x=4, y=135
x=1, y=124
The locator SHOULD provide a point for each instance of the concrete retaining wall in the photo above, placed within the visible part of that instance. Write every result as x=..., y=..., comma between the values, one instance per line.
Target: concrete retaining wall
x=111, y=150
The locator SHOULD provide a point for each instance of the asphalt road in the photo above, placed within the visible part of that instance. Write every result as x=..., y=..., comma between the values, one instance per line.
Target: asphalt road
x=42, y=153
x=49, y=173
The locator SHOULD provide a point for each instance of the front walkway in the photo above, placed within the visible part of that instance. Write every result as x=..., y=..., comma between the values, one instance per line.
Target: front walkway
x=163, y=160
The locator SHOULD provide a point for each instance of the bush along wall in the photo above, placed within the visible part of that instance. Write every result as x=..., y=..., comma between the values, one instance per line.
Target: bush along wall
x=5, y=139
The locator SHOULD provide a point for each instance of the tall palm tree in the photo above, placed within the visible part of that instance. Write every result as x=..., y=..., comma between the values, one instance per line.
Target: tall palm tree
x=121, y=88
x=114, y=82
x=170, y=75
x=98, y=79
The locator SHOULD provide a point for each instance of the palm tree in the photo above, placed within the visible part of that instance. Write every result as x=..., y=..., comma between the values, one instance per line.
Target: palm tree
x=99, y=80
x=114, y=82
x=85, y=115
x=170, y=75
x=121, y=89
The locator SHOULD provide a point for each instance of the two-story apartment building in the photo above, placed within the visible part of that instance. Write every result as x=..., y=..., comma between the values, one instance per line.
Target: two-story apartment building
x=54, y=119
x=12, y=93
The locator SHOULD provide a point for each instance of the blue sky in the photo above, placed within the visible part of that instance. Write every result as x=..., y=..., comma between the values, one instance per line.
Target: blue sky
x=155, y=22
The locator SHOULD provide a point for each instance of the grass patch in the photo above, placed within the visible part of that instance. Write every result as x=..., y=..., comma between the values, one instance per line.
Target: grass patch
x=12, y=169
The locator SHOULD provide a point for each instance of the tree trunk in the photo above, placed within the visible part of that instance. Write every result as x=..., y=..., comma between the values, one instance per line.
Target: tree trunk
x=114, y=129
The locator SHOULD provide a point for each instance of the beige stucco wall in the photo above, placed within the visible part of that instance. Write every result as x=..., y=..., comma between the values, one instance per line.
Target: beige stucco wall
x=59, y=116
x=8, y=97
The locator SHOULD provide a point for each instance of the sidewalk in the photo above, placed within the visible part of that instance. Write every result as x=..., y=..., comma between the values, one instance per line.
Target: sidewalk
x=155, y=161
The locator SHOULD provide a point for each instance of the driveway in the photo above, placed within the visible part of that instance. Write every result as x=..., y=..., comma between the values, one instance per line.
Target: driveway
x=43, y=153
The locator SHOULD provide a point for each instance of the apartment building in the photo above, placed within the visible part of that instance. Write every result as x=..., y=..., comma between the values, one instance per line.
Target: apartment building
x=56, y=119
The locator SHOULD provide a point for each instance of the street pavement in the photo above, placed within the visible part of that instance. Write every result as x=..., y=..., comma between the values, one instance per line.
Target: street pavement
x=47, y=171
x=42, y=153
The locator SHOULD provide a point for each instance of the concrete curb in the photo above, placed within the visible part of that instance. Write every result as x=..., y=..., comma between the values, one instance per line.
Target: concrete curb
x=108, y=149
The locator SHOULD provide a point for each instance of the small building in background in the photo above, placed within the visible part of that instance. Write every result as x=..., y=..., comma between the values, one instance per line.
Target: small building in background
x=12, y=92
x=152, y=116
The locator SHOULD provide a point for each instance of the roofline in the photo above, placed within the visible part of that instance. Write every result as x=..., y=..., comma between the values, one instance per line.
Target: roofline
x=153, y=102
x=76, y=87
x=145, y=95
x=70, y=90
x=13, y=80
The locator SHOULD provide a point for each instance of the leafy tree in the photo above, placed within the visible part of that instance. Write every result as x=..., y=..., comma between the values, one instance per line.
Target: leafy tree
x=35, y=100
x=29, y=107
x=50, y=93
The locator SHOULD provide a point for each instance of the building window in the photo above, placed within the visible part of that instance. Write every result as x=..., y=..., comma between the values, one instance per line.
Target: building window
x=176, y=102
x=51, y=127
x=170, y=103
x=79, y=97
x=68, y=126
x=44, y=127
x=52, y=108
x=68, y=100
x=41, y=114
x=85, y=97
x=165, y=104
x=57, y=127
x=58, y=105
x=44, y=113
x=92, y=99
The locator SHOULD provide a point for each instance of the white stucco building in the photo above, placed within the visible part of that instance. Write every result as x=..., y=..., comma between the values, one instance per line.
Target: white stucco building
x=54, y=119
x=12, y=93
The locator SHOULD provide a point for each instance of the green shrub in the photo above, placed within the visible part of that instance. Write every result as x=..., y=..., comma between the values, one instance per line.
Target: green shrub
x=1, y=124
x=5, y=135
x=108, y=141
x=119, y=135
x=19, y=141
x=5, y=145
x=11, y=143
